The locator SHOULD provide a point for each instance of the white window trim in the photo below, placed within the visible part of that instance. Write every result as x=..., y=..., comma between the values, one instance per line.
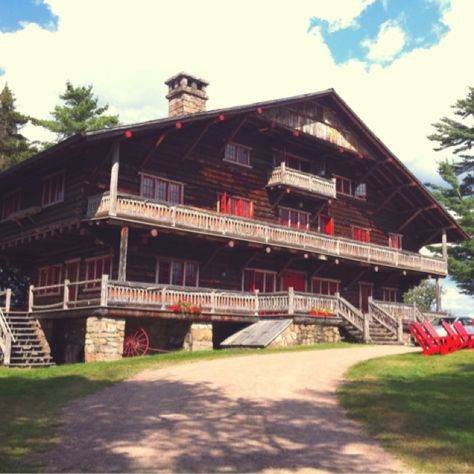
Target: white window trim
x=261, y=270
x=294, y=271
x=49, y=176
x=52, y=292
x=5, y=196
x=346, y=179
x=155, y=176
x=226, y=160
x=390, y=288
x=354, y=192
x=308, y=214
x=99, y=257
x=331, y=280
x=171, y=259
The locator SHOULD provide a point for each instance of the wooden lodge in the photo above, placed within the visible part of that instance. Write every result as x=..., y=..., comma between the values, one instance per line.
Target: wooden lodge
x=203, y=223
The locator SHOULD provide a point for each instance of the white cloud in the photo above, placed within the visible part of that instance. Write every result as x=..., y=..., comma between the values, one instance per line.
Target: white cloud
x=455, y=302
x=389, y=42
x=248, y=51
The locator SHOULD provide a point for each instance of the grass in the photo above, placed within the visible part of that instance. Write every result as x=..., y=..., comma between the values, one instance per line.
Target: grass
x=420, y=408
x=31, y=399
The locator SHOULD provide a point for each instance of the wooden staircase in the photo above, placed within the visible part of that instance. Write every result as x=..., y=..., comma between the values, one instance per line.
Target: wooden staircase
x=26, y=347
x=377, y=326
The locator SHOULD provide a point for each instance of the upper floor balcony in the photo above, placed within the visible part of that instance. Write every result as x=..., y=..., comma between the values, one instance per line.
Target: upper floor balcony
x=306, y=182
x=202, y=221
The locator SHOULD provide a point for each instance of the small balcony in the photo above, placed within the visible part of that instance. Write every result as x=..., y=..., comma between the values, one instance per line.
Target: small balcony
x=306, y=182
x=201, y=221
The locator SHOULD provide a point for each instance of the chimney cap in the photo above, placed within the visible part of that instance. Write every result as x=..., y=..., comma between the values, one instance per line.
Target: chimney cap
x=189, y=77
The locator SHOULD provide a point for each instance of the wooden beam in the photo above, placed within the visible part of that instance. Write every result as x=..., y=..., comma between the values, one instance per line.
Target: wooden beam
x=367, y=174
x=438, y=295
x=356, y=278
x=211, y=258
x=286, y=266
x=114, y=172
x=122, y=269
x=248, y=261
x=196, y=141
x=155, y=146
x=279, y=198
x=234, y=132
x=414, y=215
x=444, y=244
x=386, y=201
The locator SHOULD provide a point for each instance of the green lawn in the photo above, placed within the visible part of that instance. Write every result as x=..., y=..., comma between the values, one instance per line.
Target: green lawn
x=31, y=399
x=421, y=408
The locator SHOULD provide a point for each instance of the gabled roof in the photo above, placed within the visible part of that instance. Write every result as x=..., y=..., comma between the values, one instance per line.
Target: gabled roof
x=331, y=94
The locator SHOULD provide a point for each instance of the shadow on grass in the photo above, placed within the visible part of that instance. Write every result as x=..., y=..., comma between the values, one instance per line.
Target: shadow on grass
x=169, y=425
x=424, y=411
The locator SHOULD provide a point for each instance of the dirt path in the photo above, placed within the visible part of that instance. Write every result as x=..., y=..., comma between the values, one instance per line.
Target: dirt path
x=272, y=413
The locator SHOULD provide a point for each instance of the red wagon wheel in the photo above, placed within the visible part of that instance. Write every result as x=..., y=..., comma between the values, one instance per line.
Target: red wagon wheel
x=136, y=344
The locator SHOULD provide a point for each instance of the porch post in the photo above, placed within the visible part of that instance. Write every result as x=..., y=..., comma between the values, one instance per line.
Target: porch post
x=122, y=269
x=444, y=244
x=291, y=300
x=8, y=299
x=114, y=178
x=438, y=295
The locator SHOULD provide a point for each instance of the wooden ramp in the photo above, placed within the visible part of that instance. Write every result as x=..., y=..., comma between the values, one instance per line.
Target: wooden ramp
x=259, y=334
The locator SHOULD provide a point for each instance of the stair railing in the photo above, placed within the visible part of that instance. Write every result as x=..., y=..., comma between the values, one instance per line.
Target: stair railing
x=353, y=316
x=6, y=335
x=386, y=320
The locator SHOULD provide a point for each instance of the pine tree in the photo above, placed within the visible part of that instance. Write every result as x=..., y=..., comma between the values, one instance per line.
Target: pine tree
x=14, y=147
x=458, y=195
x=80, y=112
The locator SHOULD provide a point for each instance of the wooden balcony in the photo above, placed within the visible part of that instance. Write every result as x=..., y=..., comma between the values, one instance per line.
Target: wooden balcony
x=190, y=219
x=306, y=182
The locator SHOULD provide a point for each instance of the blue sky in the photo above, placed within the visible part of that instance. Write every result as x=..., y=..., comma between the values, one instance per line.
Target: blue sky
x=13, y=13
x=397, y=63
x=417, y=22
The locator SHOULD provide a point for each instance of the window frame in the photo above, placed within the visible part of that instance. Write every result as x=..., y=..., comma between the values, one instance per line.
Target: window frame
x=94, y=286
x=343, y=179
x=6, y=196
x=366, y=229
x=234, y=162
x=280, y=155
x=291, y=209
x=62, y=192
x=265, y=273
x=184, y=262
x=331, y=220
x=51, y=291
x=389, y=289
x=229, y=197
x=398, y=236
x=361, y=197
x=168, y=181
x=326, y=280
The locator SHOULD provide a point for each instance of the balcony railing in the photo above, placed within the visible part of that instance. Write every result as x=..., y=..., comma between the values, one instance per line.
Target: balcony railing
x=284, y=176
x=213, y=223
x=407, y=312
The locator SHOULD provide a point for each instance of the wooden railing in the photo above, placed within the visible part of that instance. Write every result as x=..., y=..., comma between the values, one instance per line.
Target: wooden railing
x=408, y=312
x=385, y=319
x=282, y=175
x=213, y=223
x=6, y=335
x=353, y=315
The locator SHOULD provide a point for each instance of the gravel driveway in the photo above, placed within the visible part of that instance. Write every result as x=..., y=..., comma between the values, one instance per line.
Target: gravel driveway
x=274, y=413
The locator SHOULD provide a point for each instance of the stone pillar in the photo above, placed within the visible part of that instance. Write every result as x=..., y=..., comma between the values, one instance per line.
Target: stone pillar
x=104, y=338
x=199, y=337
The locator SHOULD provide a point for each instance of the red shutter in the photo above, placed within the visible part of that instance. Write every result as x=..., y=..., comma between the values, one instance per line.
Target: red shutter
x=224, y=203
x=329, y=226
x=251, y=209
x=239, y=207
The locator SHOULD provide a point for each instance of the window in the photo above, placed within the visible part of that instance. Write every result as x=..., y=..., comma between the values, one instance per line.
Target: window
x=50, y=275
x=390, y=295
x=323, y=286
x=395, y=241
x=292, y=161
x=177, y=272
x=261, y=280
x=96, y=267
x=11, y=204
x=234, y=205
x=344, y=185
x=360, y=192
x=293, y=218
x=160, y=189
x=53, y=189
x=326, y=225
x=361, y=234
x=237, y=154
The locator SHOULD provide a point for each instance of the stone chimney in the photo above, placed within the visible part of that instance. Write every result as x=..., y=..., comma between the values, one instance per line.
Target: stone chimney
x=186, y=94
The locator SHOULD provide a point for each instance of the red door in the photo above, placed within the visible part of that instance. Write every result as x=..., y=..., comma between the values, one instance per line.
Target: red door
x=72, y=274
x=365, y=292
x=293, y=279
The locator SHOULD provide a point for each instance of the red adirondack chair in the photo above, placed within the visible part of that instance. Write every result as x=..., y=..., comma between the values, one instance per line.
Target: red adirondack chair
x=430, y=345
x=454, y=341
x=463, y=343
x=464, y=335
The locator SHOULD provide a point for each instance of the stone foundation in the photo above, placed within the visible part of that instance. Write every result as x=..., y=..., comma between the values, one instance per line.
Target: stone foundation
x=104, y=338
x=299, y=334
x=199, y=337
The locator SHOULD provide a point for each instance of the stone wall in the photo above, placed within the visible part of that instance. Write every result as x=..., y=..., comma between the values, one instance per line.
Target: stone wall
x=104, y=338
x=298, y=334
x=199, y=337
